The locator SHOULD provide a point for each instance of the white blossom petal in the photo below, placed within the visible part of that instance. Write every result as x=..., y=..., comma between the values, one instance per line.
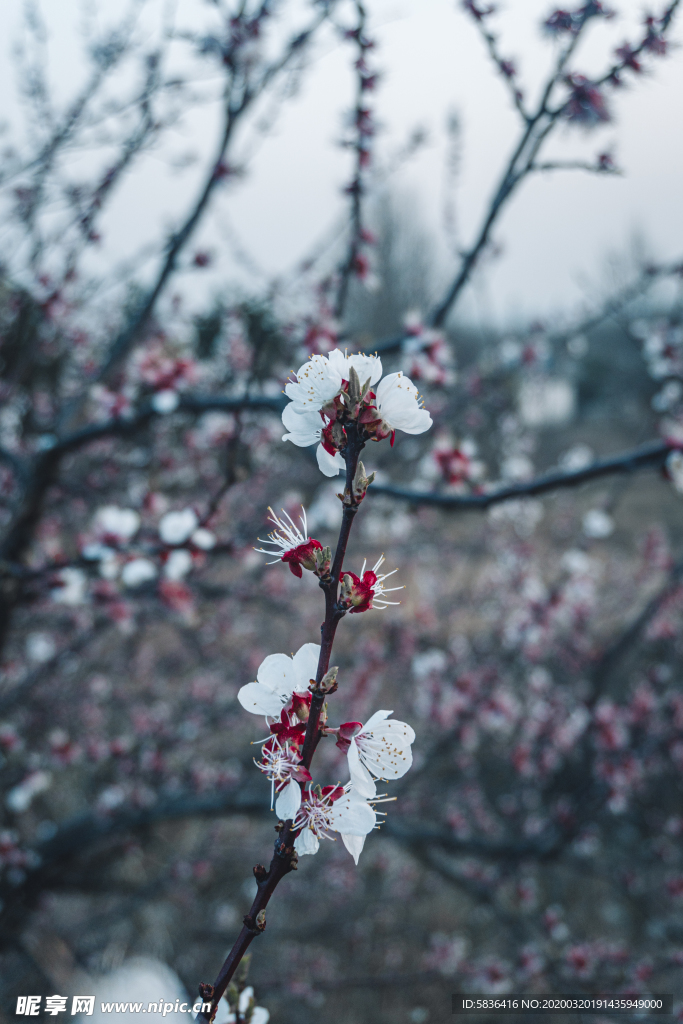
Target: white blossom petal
x=382, y=748
x=304, y=426
x=288, y=801
x=72, y=591
x=328, y=464
x=365, y=366
x=306, y=664
x=352, y=816
x=354, y=844
x=363, y=783
x=317, y=381
x=246, y=995
x=278, y=674
x=137, y=572
x=204, y=539
x=259, y=701
x=165, y=401
x=385, y=749
x=379, y=716
x=306, y=842
x=178, y=564
x=177, y=527
x=398, y=404
x=117, y=522
x=278, y=678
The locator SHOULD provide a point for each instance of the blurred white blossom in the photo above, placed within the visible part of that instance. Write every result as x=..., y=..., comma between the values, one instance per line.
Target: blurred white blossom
x=137, y=572
x=597, y=524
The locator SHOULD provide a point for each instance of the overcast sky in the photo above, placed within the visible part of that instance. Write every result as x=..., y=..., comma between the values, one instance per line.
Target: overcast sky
x=554, y=237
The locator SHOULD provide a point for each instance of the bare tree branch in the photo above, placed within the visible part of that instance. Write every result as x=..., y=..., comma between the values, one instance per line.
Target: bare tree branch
x=653, y=455
x=613, y=305
x=536, y=130
x=575, y=165
x=176, y=243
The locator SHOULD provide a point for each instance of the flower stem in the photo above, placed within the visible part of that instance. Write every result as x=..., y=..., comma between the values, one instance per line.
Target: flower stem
x=285, y=857
x=284, y=860
x=330, y=585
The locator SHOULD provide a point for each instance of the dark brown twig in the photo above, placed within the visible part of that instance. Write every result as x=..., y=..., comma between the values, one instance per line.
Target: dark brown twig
x=285, y=857
x=653, y=455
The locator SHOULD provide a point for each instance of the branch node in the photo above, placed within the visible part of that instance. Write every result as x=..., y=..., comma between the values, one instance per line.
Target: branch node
x=328, y=683
x=260, y=873
x=255, y=925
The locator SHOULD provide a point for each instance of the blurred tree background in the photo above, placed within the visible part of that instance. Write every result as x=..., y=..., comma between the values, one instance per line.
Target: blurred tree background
x=535, y=845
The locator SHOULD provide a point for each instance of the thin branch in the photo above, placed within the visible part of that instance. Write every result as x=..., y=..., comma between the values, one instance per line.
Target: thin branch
x=285, y=857
x=508, y=183
x=575, y=165
x=612, y=74
x=616, y=303
x=176, y=243
x=78, y=835
x=536, y=130
x=83, y=831
x=506, y=69
x=647, y=277
x=123, y=426
x=363, y=129
x=109, y=57
x=653, y=455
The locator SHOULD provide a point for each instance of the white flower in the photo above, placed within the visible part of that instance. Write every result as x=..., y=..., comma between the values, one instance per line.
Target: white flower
x=292, y=546
x=333, y=809
x=360, y=593
x=178, y=564
x=285, y=537
x=321, y=379
x=203, y=539
x=597, y=524
x=379, y=750
x=177, y=527
x=433, y=660
x=398, y=403
x=577, y=562
x=283, y=767
x=96, y=552
x=165, y=401
x=367, y=367
x=317, y=382
x=305, y=428
x=118, y=523
x=577, y=457
x=137, y=572
x=278, y=678
x=72, y=589
x=288, y=801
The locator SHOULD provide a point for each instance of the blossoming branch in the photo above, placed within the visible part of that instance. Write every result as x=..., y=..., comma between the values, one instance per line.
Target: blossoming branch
x=342, y=402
